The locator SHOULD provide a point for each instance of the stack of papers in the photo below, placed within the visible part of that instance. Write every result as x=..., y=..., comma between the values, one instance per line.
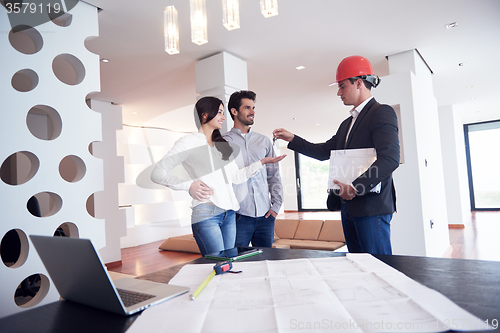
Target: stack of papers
x=356, y=293
x=348, y=164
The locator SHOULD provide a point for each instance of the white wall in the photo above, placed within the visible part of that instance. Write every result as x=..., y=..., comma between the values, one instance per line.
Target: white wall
x=455, y=165
x=106, y=204
x=73, y=127
x=153, y=212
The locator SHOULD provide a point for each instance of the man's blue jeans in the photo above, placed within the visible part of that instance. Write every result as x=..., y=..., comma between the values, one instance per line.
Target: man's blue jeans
x=258, y=230
x=214, y=228
x=370, y=234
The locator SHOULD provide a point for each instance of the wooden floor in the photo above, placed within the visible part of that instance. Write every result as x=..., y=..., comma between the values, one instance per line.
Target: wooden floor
x=145, y=259
x=478, y=240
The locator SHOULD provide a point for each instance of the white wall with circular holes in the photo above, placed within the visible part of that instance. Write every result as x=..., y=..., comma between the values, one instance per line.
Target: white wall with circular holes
x=47, y=172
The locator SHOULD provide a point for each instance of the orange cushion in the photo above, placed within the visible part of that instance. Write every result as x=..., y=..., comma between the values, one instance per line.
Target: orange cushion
x=332, y=231
x=308, y=229
x=184, y=243
x=285, y=228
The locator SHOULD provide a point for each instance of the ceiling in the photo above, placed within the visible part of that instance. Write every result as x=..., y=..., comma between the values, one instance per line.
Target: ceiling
x=316, y=34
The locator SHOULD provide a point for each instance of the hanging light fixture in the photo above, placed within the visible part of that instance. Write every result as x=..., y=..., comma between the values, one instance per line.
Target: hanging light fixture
x=269, y=8
x=231, y=14
x=198, y=22
x=171, y=30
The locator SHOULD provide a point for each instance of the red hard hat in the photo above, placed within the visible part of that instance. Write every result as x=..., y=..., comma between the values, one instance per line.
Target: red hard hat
x=353, y=66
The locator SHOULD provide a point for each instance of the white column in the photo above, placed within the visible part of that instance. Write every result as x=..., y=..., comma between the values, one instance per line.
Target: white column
x=220, y=75
x=420, y=226
x=455, y=165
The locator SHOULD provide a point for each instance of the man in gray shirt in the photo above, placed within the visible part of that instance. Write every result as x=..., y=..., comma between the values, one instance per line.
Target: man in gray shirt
x=261, y=196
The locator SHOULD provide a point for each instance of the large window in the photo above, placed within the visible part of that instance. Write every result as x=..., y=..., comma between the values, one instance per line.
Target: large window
x=483, y=163
x=312, y=183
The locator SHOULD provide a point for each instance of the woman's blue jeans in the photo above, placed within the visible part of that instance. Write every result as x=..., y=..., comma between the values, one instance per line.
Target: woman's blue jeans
x=214, y=228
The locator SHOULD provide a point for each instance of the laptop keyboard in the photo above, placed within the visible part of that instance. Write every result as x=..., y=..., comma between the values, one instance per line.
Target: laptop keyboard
x=130, y=298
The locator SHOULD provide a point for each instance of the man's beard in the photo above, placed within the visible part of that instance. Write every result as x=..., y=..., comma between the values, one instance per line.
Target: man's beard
x=245, y=121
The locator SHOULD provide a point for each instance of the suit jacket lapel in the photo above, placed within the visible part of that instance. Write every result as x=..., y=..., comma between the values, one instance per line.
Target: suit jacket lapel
x=359, y=119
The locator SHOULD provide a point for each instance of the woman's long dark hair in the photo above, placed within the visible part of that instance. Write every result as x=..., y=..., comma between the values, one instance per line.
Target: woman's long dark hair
x=210, y=105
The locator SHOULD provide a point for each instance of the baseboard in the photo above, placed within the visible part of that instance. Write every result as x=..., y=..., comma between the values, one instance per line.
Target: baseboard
x=456, y=226
x=113, y=264
x=291, y=211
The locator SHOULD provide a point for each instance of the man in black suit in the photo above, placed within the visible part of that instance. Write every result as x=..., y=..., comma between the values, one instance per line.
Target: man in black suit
x=370, y=200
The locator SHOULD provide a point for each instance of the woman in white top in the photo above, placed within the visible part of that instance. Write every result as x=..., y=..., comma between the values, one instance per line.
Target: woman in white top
x=211, y=170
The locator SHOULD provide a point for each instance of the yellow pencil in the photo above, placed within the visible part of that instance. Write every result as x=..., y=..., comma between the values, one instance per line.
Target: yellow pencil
x=202, y=285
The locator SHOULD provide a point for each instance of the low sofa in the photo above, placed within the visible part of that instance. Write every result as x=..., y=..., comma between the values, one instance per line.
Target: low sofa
x=288, y=233
x=309, y=234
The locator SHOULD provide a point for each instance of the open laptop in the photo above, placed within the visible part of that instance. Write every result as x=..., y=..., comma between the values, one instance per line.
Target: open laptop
x=80, y=276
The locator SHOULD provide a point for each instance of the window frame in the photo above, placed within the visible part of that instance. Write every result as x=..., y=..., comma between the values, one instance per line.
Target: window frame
x=298, y=183
x=469, y=166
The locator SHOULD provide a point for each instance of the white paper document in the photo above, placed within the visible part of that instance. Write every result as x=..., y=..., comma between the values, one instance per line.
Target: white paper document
x=356, y=293
x=348, y=164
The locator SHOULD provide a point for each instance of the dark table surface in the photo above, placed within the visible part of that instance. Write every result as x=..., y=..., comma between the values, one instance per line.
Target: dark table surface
x=474, y=285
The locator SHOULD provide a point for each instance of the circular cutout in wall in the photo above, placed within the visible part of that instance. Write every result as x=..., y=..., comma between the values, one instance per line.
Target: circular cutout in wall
x=67, y=229
x=60, y=18
x=44, y=122
x=91, y=148
x=72, y=168
x=90, y=205
x=49, y=204
x=19, y=168
x=31, y=291
x=25, y=39
x=24, y=80
x=68, y=69
x=14, y=248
